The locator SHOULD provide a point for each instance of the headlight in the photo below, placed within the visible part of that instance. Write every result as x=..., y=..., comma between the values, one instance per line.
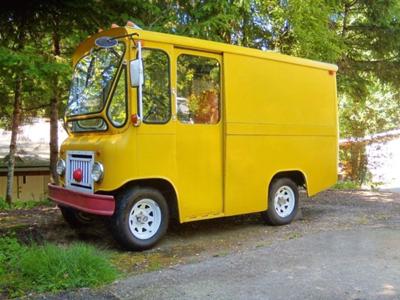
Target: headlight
x=60, y=167
x=97, y=171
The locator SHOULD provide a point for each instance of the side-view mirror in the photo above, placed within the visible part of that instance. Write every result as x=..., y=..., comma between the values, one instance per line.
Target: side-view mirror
x=136, y=72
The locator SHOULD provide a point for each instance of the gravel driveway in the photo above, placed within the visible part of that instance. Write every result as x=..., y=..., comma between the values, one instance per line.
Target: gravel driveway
x=354, y=264
x=344, y=245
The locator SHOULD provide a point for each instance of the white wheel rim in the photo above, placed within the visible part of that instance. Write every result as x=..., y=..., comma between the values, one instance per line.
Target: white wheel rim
x=145, y=219
x=284, y=201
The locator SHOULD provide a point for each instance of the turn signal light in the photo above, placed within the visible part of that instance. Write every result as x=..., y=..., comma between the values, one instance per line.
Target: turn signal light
x=135, y=120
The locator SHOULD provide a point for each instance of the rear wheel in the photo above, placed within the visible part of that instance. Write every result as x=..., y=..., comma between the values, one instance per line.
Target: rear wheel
x=283, y=202
x=141, y=218
x=76, y=218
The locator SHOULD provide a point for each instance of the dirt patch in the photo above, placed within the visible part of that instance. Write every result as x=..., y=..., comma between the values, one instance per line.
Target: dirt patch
x=192, y=242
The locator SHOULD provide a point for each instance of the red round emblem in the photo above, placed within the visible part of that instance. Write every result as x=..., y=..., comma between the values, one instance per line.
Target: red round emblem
x=77, y=175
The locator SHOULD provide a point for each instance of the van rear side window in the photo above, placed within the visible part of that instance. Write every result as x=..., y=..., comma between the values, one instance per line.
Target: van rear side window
x=198, y=89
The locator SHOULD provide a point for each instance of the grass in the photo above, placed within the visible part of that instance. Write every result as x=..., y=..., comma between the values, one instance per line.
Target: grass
x=20, y=204
x=43, y=268
x=346, y=185
x=294, y=235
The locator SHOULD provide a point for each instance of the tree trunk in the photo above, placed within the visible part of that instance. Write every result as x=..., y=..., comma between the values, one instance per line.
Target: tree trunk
x=54, y=137
x=358, y=162
x=13, y=143
x=54, y=101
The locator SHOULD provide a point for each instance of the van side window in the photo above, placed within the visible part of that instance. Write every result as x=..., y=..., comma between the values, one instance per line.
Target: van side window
x=198, y=89
x=156, y=91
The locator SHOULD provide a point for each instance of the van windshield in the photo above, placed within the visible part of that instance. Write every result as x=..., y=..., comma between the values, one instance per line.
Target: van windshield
x=92, y=80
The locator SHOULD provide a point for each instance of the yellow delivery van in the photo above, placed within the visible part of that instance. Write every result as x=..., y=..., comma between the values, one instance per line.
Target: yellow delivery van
x=164, y=126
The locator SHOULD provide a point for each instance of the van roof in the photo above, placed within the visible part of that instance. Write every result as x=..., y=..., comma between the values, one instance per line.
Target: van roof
x=201, y=45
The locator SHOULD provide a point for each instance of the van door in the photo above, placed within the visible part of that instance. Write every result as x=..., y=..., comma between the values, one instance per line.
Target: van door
x=199, y=134
x=156, y=134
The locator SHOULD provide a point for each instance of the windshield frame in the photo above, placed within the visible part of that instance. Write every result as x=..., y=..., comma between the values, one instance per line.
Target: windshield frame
x=122, y=69
x=109, y=92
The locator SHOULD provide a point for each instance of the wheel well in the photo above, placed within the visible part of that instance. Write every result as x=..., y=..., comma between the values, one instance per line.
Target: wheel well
x=297, y=176
x=163, y=186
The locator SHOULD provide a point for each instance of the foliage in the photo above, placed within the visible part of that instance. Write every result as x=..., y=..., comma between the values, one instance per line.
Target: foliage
x=9, y=251
x=21, y=204
x=361, y=36
x=346, y=185
x=36, y=72
x=51, y=268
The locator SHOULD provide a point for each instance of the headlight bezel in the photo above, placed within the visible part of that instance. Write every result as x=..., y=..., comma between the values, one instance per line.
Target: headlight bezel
x=99, y=169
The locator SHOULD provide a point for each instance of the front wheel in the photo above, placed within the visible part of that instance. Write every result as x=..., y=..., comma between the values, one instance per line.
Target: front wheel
x=141, y=218
x=283, y=202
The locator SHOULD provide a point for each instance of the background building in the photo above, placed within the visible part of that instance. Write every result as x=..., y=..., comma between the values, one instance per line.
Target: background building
x=32, y=161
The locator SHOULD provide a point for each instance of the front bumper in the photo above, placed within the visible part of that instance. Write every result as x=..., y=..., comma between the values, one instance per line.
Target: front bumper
x=90, y=203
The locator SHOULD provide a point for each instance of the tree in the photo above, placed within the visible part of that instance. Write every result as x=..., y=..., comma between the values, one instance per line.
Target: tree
x=36, y=71
x=369, y=77
x=27, y=71
x=361, y=36
x=18, y=29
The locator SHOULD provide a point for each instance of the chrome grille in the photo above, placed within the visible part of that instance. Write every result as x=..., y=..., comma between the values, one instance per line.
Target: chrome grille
x=82, y=160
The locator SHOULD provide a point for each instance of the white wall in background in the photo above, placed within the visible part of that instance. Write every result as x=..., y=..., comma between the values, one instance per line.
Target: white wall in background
x=384, y=163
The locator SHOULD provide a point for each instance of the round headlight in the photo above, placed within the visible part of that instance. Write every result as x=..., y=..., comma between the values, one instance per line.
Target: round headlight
x=97, y=171
x=60, y=169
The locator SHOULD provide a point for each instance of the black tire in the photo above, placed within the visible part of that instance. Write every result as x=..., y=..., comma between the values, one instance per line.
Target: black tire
x=75, y=218
x=276, y=216
x=121, y=223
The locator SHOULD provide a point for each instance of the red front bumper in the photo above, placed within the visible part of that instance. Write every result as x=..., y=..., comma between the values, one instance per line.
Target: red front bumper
x=90, y=203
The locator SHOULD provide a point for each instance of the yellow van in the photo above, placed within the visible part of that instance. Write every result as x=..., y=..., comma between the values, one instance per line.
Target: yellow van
x=165, y=126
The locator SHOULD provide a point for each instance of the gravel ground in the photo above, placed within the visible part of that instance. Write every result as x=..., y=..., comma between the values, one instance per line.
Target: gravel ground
x=352, y=264
x=211, y=242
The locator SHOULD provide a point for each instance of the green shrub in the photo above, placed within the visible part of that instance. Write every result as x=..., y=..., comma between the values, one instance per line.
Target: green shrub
x=20, y=204
x=346, y=185
x=4, y=205
x=31, y=203
x=10, y=249
x=51, y=268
